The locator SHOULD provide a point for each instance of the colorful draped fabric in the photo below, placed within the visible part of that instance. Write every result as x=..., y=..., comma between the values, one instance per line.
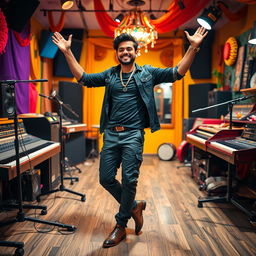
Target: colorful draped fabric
x=15, y=65
x=174, y=18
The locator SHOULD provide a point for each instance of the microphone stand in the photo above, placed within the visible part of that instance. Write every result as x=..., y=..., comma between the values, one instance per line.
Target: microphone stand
x=21, y=217
x=230, y=103
x=228, y=196
x=66, y=163
x=62, y=153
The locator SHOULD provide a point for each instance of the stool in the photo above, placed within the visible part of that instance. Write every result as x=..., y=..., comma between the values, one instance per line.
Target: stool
x=94, y=152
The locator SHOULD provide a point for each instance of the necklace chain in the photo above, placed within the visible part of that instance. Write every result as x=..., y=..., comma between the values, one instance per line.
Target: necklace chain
x=121, y=78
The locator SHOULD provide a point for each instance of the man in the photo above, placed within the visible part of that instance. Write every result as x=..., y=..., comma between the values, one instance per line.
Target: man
x=127, y=109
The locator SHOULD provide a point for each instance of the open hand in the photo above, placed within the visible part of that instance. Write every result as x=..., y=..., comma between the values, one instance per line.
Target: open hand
x=61, y=42
x=196, y=39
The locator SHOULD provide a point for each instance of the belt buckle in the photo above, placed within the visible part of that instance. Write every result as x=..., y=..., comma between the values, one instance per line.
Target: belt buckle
x=119, y=128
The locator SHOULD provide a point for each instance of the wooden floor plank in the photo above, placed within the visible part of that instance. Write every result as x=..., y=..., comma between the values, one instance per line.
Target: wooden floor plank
x=173, y=224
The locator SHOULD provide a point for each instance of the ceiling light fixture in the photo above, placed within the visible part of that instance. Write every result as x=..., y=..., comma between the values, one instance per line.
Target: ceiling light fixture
x=66, y=4
x=152, y=16
x=181, y=4
x=252, y=39
x=209, y=17
x=119, y=17
x=138, y=25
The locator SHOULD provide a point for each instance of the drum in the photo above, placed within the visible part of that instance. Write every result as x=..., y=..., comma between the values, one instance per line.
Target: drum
x=184, y=151
x=166, y=151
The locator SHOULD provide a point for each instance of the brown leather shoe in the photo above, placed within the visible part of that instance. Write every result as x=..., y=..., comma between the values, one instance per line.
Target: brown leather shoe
x=138, y=216
x=115, y=237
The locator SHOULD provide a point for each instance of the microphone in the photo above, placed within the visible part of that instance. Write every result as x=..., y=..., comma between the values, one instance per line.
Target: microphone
x=22, y=81
x=44, y=96
x=53, y=94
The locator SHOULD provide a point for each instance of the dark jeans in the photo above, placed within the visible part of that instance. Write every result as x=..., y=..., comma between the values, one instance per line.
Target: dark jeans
x=122, y=148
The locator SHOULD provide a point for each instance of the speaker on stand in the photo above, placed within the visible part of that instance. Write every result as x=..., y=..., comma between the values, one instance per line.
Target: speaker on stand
x=31, y=185
x=6, y=103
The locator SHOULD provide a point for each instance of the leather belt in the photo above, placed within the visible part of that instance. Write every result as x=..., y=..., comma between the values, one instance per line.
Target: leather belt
x=120, y=128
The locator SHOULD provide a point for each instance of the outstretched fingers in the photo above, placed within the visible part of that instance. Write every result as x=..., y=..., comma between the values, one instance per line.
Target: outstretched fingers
x=58, y=35
x=201, y=31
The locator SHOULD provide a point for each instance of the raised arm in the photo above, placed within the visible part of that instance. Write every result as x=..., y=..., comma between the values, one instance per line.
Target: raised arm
x=195, y=41
x=65, y=47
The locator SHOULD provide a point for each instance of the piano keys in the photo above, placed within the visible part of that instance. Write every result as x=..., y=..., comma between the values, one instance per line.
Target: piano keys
x=235, y=146
x=71, y=128
x=200, y=134
x=32, y=150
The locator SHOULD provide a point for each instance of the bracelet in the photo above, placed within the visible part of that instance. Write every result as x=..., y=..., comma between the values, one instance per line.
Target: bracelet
x=194, y=49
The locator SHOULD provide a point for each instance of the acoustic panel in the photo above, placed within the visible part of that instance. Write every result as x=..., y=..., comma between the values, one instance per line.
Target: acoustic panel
x=72, y=94
x=76, y=33
x=60, y=65
x=47, y=48
x=201, y=67
x=198, y=98
x=217, y=97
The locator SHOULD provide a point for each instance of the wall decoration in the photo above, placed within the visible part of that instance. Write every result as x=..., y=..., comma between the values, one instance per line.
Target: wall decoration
x=230, y=51
x=100, y=53
x=246, y=70
x=239, y=68
x=3, y=32
x=166, y=57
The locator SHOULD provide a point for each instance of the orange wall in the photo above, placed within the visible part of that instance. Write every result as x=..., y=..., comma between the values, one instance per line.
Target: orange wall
x=172, y=135
x=152, y=140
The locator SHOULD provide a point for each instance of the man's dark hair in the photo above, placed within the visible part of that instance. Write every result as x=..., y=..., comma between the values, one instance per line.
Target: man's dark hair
x=125, y=37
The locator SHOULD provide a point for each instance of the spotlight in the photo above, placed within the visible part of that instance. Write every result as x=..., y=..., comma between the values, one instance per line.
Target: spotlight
x=252, y=39
x=119, y=17
x=209, y=17
x=152, y=16
x=66, y=4
x=181, y=5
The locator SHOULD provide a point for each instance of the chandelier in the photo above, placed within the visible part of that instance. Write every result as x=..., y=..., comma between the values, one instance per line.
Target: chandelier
x=138, y=25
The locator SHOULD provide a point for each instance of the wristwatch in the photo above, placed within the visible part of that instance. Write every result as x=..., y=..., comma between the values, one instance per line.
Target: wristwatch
x=194, y=49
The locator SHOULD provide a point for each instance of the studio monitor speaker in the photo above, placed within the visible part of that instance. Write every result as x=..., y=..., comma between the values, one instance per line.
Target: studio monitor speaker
x=31, y=185
x=18, y=13
x=6, y=102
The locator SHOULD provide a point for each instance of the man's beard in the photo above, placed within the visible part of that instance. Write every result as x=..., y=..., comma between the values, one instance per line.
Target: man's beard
x=132, y=59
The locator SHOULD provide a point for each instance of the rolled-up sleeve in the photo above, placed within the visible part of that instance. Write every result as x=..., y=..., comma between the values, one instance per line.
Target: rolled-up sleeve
x=92, y=80
x=165, y=75
x=176, y=74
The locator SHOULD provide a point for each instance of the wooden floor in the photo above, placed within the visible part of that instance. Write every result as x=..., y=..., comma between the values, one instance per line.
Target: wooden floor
x=173, y=224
